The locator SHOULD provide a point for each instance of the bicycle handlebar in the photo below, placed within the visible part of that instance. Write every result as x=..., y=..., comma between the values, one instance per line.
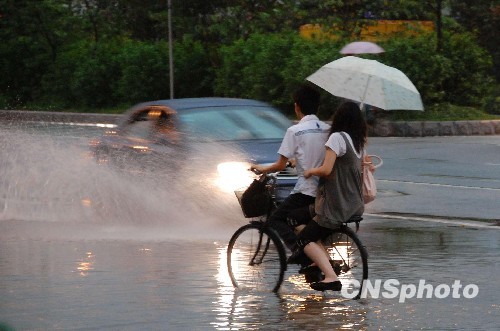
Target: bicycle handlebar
x=255, y=171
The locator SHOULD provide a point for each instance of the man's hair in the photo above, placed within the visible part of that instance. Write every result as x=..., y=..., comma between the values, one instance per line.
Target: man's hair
x=308, y=99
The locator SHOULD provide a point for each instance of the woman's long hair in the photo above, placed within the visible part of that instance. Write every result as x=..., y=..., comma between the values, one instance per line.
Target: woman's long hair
x=348, y=118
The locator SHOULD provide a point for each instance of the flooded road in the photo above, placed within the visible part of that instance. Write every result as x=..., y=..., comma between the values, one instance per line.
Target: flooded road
x=138, y=262
x=125, y=284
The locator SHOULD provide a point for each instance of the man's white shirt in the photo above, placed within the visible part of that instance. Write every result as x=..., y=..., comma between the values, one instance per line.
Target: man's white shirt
x=305, y=142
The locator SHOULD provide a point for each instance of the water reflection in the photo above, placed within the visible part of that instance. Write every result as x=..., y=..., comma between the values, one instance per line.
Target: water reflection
x=86, y=264
x=406, y=251
x=245, y=310
x=325, y=312
x=294, y=307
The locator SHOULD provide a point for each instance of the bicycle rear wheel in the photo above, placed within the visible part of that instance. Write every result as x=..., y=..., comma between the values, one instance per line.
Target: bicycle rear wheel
x=350, y=259
x=256, y=258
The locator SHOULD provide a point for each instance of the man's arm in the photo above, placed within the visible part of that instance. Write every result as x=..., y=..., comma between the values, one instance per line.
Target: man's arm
x=279, y=165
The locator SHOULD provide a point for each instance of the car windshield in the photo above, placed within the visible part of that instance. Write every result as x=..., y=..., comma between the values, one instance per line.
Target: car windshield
x=235, y=123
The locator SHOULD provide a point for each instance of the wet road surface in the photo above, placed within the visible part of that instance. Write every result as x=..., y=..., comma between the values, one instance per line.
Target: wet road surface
x=131, y=273
x=450, y=177
x=124, y=284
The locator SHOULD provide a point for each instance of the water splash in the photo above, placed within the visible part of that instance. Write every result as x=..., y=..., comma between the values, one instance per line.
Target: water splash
x=50, y=178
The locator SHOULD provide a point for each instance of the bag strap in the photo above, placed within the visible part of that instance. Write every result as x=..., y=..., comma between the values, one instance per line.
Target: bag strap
x=380, y=161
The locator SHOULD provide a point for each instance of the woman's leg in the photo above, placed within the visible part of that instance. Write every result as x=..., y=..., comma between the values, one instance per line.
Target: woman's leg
x=307, y=239
x=317, y=253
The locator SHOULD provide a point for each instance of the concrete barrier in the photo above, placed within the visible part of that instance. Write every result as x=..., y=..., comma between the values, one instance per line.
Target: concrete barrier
x=384, y=128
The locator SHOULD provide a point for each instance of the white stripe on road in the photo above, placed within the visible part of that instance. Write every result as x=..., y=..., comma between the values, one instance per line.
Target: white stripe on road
x=468, y=223
x=439, y=185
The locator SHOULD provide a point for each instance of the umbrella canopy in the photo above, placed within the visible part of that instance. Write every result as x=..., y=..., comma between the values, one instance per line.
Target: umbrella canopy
x=369, y=82
x=361, y=47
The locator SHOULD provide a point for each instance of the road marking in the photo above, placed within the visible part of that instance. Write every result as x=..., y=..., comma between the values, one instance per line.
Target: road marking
x=467, y=223
x=439, y=185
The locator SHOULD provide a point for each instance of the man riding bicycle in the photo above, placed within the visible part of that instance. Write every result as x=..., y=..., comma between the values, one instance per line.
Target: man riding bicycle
x=303, y=142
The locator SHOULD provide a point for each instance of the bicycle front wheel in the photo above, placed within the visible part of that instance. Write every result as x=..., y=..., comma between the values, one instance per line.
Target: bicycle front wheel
x=349, y=258
x=256, y=258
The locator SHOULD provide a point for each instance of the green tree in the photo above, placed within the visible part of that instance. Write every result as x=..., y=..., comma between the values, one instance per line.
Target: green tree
x=269, y=67
x=32, y=33
x=483, y=19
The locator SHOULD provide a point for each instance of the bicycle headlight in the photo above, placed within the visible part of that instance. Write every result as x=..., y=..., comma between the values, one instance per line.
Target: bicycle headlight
x=232, y=176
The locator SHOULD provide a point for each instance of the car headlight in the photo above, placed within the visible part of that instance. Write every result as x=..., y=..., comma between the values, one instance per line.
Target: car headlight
x=232, y=176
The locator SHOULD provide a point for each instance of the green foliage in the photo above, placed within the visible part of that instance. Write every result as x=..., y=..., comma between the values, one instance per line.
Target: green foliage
x=89, y=74
x=32, y=33
x=492, y=101
x=23, y=63
x=418, y=59
x=460, y=74
x=471, y=74
x=143, y=72
x=85, y=74
x=270, y=67
x=483, y=19
x=193, y=71
x=251, y=68
x=94, y=54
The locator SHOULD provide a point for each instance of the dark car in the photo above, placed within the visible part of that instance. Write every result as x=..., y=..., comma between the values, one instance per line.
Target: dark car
x=166, y=131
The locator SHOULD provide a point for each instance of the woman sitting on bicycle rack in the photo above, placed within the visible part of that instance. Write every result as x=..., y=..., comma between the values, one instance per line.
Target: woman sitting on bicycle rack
x=339, y=192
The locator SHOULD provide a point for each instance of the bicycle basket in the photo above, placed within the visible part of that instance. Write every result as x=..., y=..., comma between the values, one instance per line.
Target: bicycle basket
x=255, y=200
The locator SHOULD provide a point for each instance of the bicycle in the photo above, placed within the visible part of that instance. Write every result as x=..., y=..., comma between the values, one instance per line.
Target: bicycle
x=257, y=259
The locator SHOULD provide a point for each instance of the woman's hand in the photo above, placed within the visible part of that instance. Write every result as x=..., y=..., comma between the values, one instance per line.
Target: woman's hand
x=307, y=173
x=371, y=168
x=367, y=162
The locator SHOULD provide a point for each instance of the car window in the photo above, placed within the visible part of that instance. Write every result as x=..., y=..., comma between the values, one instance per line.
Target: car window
x=154, y=125
x=235, y=123
x=209, y=125
x=139, y=129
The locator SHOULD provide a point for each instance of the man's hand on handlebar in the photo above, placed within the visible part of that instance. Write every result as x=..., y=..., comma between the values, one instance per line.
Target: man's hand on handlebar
x=277, y=166
x=257, y=169
x=291, y=163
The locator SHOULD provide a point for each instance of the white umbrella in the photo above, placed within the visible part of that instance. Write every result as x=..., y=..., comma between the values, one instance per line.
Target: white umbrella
x=369, y=82
x=361, y=47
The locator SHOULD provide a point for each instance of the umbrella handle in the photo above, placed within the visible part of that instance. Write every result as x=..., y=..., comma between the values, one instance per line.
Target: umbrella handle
x=364, y=93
